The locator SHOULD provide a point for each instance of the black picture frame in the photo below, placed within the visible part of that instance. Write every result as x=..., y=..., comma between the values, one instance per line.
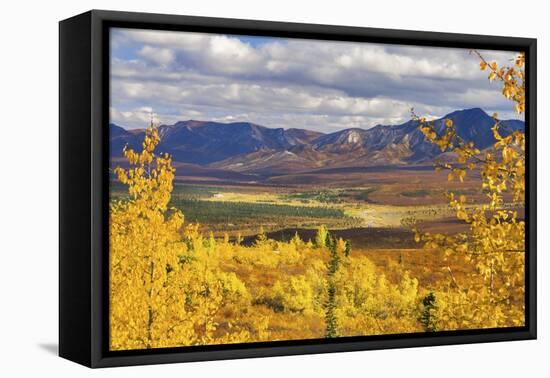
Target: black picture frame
x=83, y=195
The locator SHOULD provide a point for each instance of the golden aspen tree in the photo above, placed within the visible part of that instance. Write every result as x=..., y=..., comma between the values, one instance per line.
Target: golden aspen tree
x=145, y=277
x=494, y=244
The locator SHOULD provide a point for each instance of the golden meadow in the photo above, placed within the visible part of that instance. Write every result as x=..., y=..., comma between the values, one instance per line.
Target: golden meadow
x=174, y=283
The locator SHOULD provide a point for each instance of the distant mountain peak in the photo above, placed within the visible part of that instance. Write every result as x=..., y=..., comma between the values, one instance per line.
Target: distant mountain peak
x=476, y=112
x=116, y=131
x=190, y=123
x=251, y=148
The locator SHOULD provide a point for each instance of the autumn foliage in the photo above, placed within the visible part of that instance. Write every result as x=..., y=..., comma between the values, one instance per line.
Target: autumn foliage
x=173, y=285
x=495, y=241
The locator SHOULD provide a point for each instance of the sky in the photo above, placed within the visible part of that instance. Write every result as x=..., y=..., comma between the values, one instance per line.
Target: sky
x=324, y=86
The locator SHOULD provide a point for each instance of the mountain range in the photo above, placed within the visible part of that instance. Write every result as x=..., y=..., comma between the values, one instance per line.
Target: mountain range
x=254, y=149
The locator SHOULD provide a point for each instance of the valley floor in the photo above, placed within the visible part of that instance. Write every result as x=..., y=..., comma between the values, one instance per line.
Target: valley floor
x=374, y=213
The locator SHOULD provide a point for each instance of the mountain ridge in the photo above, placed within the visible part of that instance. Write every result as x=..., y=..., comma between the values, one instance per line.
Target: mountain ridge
x=251, y=148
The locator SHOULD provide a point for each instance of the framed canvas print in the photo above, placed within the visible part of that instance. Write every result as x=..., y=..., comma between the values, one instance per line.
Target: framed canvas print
x=234, y=188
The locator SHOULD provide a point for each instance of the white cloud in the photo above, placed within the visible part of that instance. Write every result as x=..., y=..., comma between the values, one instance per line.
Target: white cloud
x=140, y=116
x=160, y=56
x=228, y=54
x=292, y=83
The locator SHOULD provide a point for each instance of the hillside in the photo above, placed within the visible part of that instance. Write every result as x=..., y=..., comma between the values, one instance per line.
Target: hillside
x=251, y=148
